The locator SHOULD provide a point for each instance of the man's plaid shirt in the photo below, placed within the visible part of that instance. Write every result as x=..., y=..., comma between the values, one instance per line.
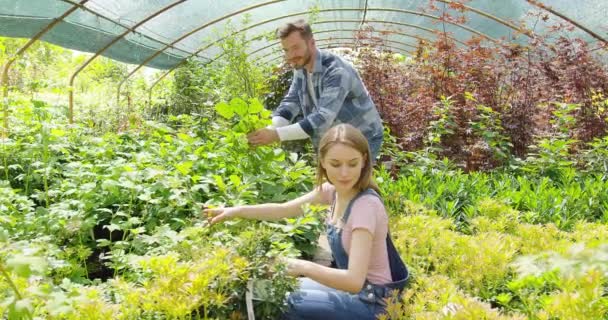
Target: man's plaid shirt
x=341, y=98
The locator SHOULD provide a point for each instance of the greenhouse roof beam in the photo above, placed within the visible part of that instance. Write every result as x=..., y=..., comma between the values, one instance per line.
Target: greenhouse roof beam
x=563, y=16
x=483, y=13
x=397, y=24
x=403, y=11
x=490, y=16
x=349, y=45
x=364, y=15
x=353, y=38
x=99, y=52
x=85, y=8
x=186, y=35
x=283, y=17
x=387, y=32
x=11, y=60
x=352, y=9
x=314, y=23
x=480, y=12
x=336, y=30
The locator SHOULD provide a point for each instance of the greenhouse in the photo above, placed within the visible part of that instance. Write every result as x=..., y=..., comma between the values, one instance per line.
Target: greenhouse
x=284, y=159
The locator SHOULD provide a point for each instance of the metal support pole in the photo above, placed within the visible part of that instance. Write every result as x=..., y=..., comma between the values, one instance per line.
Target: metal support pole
x=11, y=60
x=102, y=50
x=189, y=34
x=331, y=10
x=561, y=15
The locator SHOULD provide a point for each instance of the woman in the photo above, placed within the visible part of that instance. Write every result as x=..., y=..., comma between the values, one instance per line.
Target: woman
x=369, y=267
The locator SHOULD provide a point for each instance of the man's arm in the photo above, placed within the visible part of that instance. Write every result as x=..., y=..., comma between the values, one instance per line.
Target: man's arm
x=286, y=112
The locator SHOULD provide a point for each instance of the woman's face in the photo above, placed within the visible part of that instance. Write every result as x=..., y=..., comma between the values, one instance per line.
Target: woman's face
x=343, y=165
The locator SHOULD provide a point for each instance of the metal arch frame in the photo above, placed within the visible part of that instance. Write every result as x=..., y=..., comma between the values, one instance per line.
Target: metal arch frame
x=283, y=17
x=350, y=45
x=347, y=45
x=347, y=38
x=11, y=60
x=340, y=45
x=351, y=9
x=492, y=17
x=426, y=15
x=433, y=31
x=480, y=12
x=326, y=31
x=405, y=12
x=186, y=35
x=483, y=13
x=111, y=43
x=364, y=15
x=574, y=22
x=388, y=32
x=353, y=38
x=122, y=25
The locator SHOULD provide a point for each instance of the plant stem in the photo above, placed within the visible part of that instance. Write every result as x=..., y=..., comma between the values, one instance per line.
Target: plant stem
x=10, y=282
x=4, y=158
x=13, y=286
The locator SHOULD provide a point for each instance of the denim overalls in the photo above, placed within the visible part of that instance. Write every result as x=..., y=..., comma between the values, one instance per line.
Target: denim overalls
x=316, y=301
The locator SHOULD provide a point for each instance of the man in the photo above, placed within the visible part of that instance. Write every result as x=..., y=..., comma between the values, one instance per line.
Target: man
x=327, y=91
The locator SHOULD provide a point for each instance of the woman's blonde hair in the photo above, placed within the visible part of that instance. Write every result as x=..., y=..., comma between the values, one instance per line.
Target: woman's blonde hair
x=347, y=135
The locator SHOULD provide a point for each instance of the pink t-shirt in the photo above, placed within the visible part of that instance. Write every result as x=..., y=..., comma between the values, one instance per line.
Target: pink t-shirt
x=367, y=212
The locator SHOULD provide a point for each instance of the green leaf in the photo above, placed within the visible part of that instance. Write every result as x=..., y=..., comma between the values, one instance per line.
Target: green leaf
x=184, y=167
x=265, y=114
x=185, y=137
x=224, y=110
x=24, y=266
x=3, y=235
x=112, y=227
x=255, y=106
x=293, y=157
x=57, y=132
x=235, y=180
x=239, y=106
x=219, y=183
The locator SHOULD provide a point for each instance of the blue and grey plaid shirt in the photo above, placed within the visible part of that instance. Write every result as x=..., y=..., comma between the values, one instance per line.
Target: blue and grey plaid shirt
x=341, y=98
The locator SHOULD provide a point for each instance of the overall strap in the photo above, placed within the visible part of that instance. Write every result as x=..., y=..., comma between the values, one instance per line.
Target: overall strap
x=350, y=204
x=399, y=272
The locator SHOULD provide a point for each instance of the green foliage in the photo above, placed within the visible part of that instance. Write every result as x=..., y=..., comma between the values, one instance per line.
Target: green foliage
x=526, y=270
x=551, y=156
x=113, y=200
x=250, y=115
x=566, y=287
x=443, y=125
x=488, y=128
x=190, y=91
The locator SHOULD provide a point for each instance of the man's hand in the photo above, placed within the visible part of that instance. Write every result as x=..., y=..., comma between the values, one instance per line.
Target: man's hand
x=263, y=137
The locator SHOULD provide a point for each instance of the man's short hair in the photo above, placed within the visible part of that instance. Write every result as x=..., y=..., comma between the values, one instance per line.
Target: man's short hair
x=299, y=25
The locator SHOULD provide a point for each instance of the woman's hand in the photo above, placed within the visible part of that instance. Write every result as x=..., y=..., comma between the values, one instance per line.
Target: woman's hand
x=296, y=267
x=216, y=215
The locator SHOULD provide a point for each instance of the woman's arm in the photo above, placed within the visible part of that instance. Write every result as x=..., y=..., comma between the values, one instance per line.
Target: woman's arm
x=351, y=279
x=266, y=211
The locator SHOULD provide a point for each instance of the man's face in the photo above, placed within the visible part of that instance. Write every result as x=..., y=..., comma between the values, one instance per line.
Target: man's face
x=298, y=51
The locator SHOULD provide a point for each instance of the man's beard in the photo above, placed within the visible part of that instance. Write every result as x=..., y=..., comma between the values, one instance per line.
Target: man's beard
x=307, y=58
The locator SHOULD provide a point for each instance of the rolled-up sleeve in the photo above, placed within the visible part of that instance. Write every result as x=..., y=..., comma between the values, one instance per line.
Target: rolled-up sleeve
x=335, y=88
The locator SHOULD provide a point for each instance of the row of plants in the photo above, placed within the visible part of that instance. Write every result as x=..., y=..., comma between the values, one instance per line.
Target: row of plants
x=505, y=268
x=124, y=209
x=110, y=226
